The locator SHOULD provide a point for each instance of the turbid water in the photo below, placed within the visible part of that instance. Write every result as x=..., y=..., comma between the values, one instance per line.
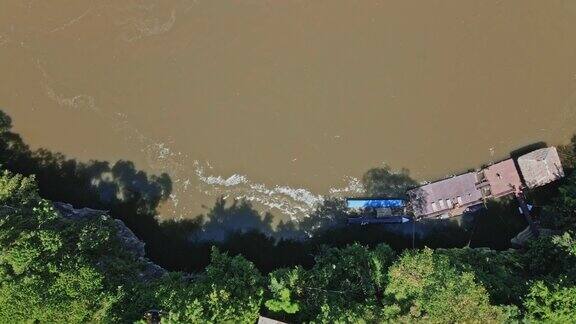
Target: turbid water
x=282, y=102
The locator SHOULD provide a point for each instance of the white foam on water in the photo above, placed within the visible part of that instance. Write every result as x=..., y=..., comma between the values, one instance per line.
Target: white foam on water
x=192, y=178
x=353, y=186
x=81, y=101
x=140, y=22
x=296, y=203
x=72, y=21
x=164, y=151
x=174, y=200
x=300, y=194
x=287, y=200
x=189, y=176
x=4, y=40
x=233, y=180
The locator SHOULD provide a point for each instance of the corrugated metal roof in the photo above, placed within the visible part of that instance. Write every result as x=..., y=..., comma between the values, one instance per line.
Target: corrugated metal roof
x=538, y=155
x=444, y=195
x=541, y=167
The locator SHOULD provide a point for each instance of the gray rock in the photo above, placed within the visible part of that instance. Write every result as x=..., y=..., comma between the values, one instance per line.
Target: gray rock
x=127, y=238
x=68, y=211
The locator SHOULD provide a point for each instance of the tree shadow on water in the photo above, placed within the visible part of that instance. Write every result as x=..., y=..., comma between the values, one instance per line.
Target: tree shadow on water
x=237, y=218
x=128, y=194
x=97, y=184
x=383, y=182
x=133, y=196
x=527, y=149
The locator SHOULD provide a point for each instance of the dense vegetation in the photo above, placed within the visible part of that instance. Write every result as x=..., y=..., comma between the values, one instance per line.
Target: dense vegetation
x=56, y=269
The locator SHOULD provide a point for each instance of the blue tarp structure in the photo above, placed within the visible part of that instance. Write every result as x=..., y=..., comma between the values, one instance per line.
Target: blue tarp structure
x=356, y=203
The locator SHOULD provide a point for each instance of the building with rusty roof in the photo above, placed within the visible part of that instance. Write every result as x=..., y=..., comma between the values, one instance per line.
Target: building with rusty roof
x=499, y=179
x=448, y=197
x=457, y=195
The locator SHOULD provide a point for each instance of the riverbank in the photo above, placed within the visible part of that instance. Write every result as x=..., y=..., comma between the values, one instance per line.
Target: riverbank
x=133, y=196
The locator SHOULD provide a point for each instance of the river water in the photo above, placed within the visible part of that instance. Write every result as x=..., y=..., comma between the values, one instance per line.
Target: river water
x=282, y=102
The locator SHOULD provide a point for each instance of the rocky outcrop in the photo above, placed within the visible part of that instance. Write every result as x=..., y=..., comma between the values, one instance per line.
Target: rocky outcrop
x=128, y=239
x=527, y=235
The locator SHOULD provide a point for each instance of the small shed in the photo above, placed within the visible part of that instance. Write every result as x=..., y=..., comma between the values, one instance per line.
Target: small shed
x=541, y=167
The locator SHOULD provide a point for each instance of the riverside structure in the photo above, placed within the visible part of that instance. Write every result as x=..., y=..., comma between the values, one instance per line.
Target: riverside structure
x=462, y=193
x=465, y=192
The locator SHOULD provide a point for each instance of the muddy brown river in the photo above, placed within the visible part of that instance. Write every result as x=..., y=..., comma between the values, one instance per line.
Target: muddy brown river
x=283, y=102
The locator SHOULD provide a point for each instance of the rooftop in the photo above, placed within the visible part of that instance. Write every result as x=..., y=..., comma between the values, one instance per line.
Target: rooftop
x=503, y=178
x=541, y=167
x=442, y=196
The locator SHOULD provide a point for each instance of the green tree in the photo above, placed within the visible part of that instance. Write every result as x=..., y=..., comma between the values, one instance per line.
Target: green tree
x=552, y=258
x=561, y=213
x=567, y=154
x=230, y=291
x=498, y=271
x=17, y=191
x=428, y=288
x=345, y=285
x=282, y=282
x=554, y=304
x=43, y=276
x=5, y=122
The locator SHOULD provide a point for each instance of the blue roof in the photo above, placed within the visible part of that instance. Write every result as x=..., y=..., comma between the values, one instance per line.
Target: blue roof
x=375, y=203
